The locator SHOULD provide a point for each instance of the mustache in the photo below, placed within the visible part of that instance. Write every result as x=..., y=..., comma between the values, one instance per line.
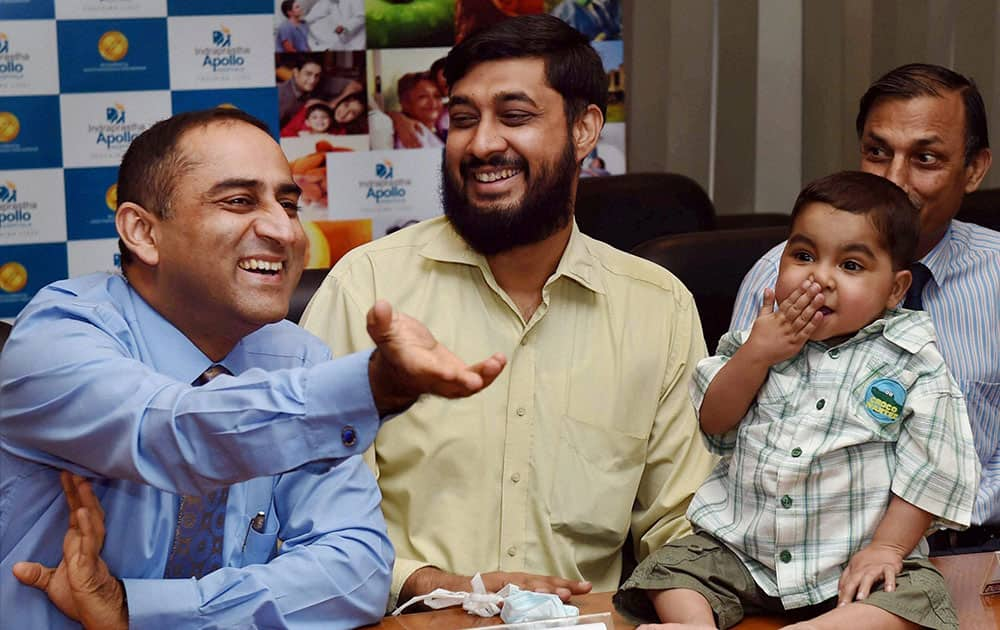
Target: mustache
x=495, y=161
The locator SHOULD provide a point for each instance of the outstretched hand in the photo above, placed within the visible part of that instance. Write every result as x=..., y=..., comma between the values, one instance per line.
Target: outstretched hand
x=81, y=586
x=408, y=362
x=779, y=334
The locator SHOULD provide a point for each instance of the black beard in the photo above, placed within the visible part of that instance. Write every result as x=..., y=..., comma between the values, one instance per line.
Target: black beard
x=545, y=210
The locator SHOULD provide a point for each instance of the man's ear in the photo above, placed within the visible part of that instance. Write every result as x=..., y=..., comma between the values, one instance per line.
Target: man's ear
x=138, y=229
x=586, y=131
x=900, y=284
x=977, y=169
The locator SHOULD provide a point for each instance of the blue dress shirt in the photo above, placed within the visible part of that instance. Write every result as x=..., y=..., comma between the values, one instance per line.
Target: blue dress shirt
x=963, y=300
x=94, y=381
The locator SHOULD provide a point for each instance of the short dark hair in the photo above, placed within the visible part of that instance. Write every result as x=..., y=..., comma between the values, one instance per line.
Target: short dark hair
x=572, y=66
x=922, y=79
x=286, y=6
x=888, y=208
x=410, y=80
x=153, y=162
x=300, y=61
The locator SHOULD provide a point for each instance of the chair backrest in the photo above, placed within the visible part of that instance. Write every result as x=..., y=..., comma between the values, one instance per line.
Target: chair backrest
x=308, y=283
x=712, y=265
x=5, y=329
x=981, y=207
x=625, y=210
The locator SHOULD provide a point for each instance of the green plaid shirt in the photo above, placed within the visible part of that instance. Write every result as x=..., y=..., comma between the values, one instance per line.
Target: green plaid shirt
x=807, y=474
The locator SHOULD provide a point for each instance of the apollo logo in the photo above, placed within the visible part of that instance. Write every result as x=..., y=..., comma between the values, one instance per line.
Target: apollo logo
x=12, y=212
x=10, y=60
x=222, y=38
x=223, y=56
x=383, y=170
x=8, y=192
x=116, y=114
x=113, y=46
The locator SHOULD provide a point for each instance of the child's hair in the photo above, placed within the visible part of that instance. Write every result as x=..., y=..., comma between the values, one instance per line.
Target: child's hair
x=888, y=209
x=324, y=108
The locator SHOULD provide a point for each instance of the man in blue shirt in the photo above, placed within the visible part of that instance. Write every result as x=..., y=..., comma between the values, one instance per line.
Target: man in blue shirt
x=97, y=380
x=293, y=33
x=924, y=128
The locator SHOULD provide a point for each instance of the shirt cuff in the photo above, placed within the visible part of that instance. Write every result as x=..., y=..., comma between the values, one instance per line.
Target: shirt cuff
x=159, y=604
x=401, y=571
x=341, y=419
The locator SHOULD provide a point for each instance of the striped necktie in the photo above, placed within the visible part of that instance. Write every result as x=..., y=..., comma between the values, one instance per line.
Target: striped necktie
x=197, y=549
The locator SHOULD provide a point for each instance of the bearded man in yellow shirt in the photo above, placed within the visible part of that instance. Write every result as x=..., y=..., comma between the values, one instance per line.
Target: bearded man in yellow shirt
x=589, y=434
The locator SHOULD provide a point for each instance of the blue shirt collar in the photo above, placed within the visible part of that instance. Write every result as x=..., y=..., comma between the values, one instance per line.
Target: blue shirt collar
x=172, y=353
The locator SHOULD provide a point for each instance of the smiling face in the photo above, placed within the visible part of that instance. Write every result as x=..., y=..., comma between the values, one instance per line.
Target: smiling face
x=318, y=120
x=348, y=110
x=227, y=259
x=422, y=102
x=511, y=161
x=842, y=252
x=919, y=144
x=307, y=76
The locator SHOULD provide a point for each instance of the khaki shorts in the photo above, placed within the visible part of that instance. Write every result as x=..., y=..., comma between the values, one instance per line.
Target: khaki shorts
x=702, y=564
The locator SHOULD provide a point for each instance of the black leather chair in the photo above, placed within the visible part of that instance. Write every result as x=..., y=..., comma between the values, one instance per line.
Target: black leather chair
x=981, y=207
x=5, y=329
x=308, y=283
x=625, y=210
x=712, y=265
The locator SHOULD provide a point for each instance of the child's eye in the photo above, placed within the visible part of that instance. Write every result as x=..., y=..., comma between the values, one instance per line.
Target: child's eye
x=852, y=265
x=803, y=256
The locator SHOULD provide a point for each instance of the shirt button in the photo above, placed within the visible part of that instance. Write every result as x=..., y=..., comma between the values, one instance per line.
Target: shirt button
x=348, y=436
x=515, y=477
x=786, y=501
x=786, y=556
x=796, y=451
x=820, y=403
x=521, y=411
x=512, y=551
x=834, y=353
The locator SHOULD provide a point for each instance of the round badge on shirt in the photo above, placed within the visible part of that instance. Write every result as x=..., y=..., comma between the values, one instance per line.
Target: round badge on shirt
x=884, y=400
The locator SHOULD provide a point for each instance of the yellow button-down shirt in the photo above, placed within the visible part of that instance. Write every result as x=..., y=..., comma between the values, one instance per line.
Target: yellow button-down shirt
x=587, y=433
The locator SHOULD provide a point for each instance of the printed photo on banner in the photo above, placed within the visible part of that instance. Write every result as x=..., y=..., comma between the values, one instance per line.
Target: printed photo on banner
x=27, y=65
x=318, y=25
x=309, y=168
x=475, y=15
x=410, y=23
x=608, y=158
x=613, y=57
x=409, y=98
x=599, y=20
x=321, y=93
x=114, y=9
x=32, y=207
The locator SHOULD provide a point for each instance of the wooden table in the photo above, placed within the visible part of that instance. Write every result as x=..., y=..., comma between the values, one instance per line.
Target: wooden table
x=964, y=575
